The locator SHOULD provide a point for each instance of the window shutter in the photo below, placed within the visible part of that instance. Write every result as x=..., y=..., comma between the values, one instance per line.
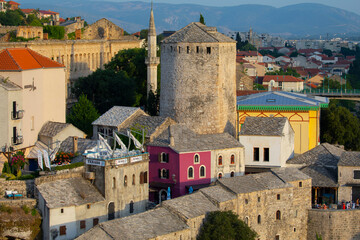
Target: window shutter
x=167, y=174
x=159, y=173
x=159, y=157
x=167, y=157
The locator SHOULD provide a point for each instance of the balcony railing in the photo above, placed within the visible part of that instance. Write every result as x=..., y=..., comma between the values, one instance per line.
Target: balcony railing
x=17, y=140
x=17, y=115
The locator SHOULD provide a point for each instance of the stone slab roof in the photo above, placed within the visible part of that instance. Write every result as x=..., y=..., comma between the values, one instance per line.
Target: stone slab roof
x=350, y=159
x=218, y=193
x=146, y=225
x=253, y=183
x=33, y=154
x=280, y=98
x=8, y=85
x=321, y=176
x=324, y=154
x=290, y=174
x=69, y=192
x=191, y=205
x=51, y=129
x=83, y=144
x=197, y=33
x=185, y=140
x=263, y=126
x=115, y=116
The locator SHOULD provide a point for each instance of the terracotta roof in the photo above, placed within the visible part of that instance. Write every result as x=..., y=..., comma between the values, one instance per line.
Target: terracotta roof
x=283, y=78
x=18, y=59
x=13, y=3
x=248, y=92
x=47, y=12
x=26, y=10
x=248, y=53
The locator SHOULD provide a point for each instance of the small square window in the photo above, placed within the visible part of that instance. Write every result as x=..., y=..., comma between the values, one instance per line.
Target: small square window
x=62, y=230
x=62, y=210
x=246, y=201
x=300, y=184
x=82, y=224
x=88, y=206
x=95, y=221
x=259, y=199
x=278, y=197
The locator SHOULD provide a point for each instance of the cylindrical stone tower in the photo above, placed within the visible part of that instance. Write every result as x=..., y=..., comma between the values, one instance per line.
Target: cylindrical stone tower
x=198, y=79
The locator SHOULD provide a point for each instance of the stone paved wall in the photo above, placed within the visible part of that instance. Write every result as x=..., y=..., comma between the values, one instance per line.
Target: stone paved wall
x=197, y=87
x=30, y=202
x=334, y=224
x=102, y=29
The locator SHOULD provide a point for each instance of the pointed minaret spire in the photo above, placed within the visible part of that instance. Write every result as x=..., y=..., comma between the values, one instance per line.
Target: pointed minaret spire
x=152, y=61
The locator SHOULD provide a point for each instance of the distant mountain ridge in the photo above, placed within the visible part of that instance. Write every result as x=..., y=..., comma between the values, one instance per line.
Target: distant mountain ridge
x=299, y=19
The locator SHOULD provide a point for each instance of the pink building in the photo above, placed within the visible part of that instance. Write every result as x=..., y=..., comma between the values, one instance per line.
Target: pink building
x=181, y=159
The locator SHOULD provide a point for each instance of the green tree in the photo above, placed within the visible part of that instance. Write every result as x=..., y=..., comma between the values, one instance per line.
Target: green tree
x=152, y=105
x=340, y=126
x=281, y=72
x=294, y=54
x=258, y=86
x=55, y=32
x=225, y=226
x=328, y=52
x=144, y=34
x=202, y=20
x=332, y=84
x=82, y=114
x=12, y=18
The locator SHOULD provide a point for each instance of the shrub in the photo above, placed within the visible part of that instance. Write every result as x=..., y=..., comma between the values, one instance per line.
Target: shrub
x=55, y=32
x=33, y=212
x=26, y=209
x=6, y=168
x=70, y=166
x=4, y=208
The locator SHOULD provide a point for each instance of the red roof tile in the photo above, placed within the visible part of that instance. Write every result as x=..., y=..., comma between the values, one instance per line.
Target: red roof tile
x=27, y=10
x=18, y=59
x=248, y=92
x=247, y=53
x=13, y=3
x=282, y=78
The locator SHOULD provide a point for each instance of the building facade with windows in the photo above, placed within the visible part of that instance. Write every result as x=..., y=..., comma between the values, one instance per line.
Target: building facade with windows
x=35, y=92
x=268, y=143
x=185, y=161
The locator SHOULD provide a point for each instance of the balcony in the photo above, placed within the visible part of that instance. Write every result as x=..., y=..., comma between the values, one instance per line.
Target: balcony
x=17, y=115
x=17, y=140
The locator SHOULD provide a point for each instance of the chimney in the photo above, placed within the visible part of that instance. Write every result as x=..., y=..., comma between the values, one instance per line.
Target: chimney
x=75, y=144
x=171, y=137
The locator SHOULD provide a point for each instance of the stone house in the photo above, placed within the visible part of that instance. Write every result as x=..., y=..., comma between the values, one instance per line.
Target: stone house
x=39, y=96
x=349, y=176
x=302, y=111
x=180, y=159
x=250, y=56
x=284, y=83
x=13, y=5
x=102, y=29
x=268, y=142
x=275, y=204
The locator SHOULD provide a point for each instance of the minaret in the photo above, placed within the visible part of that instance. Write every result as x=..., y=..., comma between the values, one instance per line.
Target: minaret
x=152, y=61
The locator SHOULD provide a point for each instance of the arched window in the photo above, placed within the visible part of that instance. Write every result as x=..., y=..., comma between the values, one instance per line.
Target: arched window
x=191, y=172
x=278, y=215
x=125, y=181
x=246, y=220
x=219, y=175
x=202, y=171
x=220, y=161
x=131, y=207
x=114, y=182
x=141, y=178
x=259, y=219
x=164, y=173
x=145, y=177
x=196, y=159
x=133, y=179
x=232, y=174
x=232, y=159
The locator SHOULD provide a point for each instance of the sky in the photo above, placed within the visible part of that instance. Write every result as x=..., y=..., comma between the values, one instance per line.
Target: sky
x=350, y=5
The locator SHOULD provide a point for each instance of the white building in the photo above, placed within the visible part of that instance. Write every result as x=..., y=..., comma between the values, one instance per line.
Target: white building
x=284, y=83
x=268, y=142
x=32, y=93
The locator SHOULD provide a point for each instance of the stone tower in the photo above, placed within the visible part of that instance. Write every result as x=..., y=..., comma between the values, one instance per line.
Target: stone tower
x=198, y=79
x=152, y=61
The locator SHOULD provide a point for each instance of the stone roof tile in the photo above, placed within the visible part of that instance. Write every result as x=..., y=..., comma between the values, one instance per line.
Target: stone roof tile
x=218, y=193
x=51, y=129
x=350, y=159
x=115, y=116
x=83, y=144
x=263, y=126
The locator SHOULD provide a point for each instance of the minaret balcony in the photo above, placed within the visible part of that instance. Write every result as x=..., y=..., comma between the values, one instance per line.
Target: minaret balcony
x=152, y=60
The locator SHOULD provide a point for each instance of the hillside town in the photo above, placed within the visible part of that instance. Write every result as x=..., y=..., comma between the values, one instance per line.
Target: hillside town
x=111, y=135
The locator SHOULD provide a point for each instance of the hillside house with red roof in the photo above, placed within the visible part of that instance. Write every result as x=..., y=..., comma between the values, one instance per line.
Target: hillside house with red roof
x=284, y=83
x=32, y=92
x=13, y=5
x=250, y=56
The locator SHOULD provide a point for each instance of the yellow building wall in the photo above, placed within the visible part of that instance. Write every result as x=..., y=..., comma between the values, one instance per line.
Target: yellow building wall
x=306, y=125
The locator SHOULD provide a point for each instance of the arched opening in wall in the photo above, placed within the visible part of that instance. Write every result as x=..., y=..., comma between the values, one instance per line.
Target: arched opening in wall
x=278, y=215
x=232, y=159
x=220, y=175
x=162, y=195
x=133, y=179
x=202, y=171
x=190, y=172
x=259, y=219
x=196, y=159
x=220, y=161
x=232, y=174
x=125, y=181
x=131, y=207
x=111, y=211
x=246, y=220
x=114, y=182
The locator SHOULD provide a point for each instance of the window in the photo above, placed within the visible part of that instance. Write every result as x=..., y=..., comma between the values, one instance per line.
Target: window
x=95, y=221
x=82, y=224
x=280, y=84
x=277, y=237
x=133, y=179
x=300, y=184
x=14, y=110
x=246, y=220
x=278, y=215
x=232, y=159
x=179, y=49
x=190, y=172
x=125, y=181
x=62, y=230
x=170, y=48
x=259, y=199
x=208, y=50
x=220, y=160
x=197, y=49
x=232, y=174
x=88, y=206
x=278, y=197
x=188, y=49
x=145, y=177
x=256, y=154
x=131, y=207
x=259, y=219
x=164, y=157
x=196, y=159
x=164, y=173
x=114, y=183
x=294, y=229
x=202, y=171
x=62, y=210
x=219, y=175
x=356, y=174
x=266, y=154
x=141, y=178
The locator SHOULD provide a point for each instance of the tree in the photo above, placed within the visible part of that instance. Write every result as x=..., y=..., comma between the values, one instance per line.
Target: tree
x=244, y=46
x=328, y=52
x=82, y=114
x=340, y=126
x=152, y=106
x=55, y=32
x=281, y=72
x=12, y=18
x=332, y=84
x=225, y=226
x=294, y=54
x=202, y=20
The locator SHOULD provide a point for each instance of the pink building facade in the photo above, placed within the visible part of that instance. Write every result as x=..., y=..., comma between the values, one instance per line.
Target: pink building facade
x=179, y=171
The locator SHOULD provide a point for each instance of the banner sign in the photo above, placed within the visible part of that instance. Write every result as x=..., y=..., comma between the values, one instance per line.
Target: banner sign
x=136, y=159
x=121, y=161
x=40, y=159
x=95, y=162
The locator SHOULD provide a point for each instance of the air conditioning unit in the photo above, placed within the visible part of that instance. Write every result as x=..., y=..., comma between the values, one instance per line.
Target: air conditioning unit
x=90, y=175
